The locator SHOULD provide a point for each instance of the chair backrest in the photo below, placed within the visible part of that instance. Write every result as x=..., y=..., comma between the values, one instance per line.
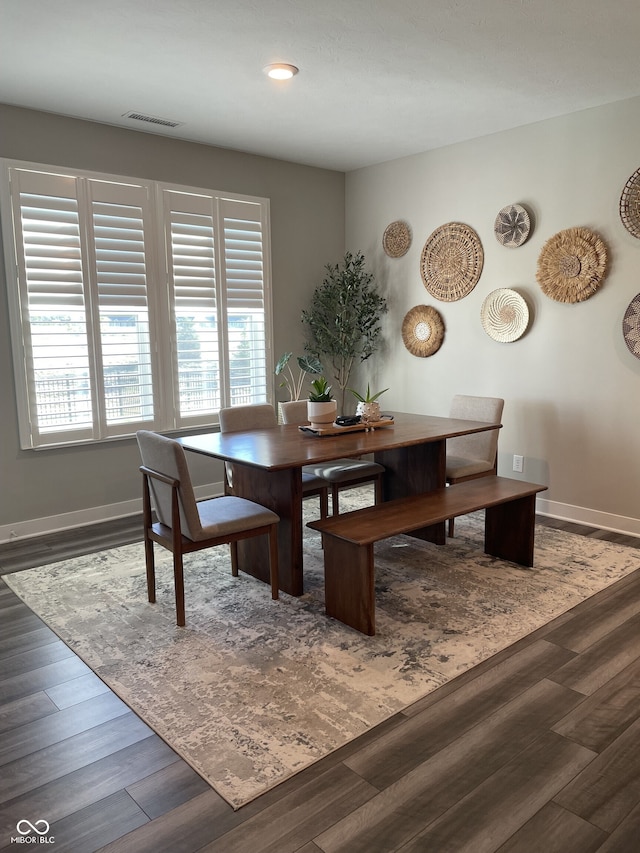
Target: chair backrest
x=165, y=456
x=254, y=416
x=294, y=412
x=482, y=445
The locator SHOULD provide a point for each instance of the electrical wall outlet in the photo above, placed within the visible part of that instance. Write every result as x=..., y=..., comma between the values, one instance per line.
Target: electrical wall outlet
x=518, y=463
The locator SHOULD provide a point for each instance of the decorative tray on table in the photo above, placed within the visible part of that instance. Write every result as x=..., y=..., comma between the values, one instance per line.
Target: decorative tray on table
x=337, y=429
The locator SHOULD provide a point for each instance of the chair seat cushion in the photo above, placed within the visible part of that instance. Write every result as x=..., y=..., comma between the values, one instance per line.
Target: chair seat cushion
x=311, y=482
x=228, y=514
x=460, y=466
x=343, y=470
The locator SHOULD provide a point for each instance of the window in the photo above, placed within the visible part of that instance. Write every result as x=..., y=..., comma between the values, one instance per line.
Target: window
x=134, y=304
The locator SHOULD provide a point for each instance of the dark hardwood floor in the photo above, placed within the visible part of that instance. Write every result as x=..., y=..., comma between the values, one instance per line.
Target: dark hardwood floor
x=536, y=750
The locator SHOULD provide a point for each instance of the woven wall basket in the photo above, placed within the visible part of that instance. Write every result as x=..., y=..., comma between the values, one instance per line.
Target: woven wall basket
x=451, y=261
x=572, y=265
x=630, y=204
x=512, y=226
x=422, y=330
x=504, y=315
x=631, y=326
x=396, y=239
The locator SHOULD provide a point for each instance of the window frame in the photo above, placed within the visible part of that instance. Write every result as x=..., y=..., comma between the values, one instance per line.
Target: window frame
x=160, y=292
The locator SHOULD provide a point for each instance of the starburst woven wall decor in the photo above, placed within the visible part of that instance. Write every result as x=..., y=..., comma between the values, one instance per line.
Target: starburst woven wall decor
x=572, y=265
x=422, y=330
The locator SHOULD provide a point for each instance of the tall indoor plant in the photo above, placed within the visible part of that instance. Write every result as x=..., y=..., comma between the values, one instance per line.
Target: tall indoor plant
x=290, y=380
x=343, y=321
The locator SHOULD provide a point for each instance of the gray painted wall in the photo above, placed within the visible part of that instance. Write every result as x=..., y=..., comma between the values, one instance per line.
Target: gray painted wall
x=50, y=489
x=571, y=386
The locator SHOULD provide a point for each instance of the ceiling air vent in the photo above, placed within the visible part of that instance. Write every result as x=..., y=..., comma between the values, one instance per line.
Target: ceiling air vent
x=162, y=122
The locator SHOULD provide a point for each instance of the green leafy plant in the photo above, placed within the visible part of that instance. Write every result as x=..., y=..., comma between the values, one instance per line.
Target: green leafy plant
x=343, y=321
x=307, y=364
x=320, y=391
x=369, y=397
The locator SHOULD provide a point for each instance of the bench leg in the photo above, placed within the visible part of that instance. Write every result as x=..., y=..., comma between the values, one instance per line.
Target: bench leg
x=349, y=591
x=509, y=530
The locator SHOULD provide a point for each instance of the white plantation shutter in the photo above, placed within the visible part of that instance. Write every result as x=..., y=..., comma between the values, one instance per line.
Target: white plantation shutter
x=217, y=259
x=246, y=321
x=55, y=367
x=190, y=225
x=134, y=303
x=123, y=346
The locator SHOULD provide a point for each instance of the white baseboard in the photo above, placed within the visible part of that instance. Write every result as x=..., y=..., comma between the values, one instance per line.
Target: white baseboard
x=83, y=517
x=94, y=515
x=589, y=517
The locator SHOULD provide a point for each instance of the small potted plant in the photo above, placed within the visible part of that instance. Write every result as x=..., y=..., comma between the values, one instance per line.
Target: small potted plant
x=368, y=407
x=321, y=408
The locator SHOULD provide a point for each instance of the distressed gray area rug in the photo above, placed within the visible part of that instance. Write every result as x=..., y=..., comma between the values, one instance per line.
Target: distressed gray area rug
x=252, y=691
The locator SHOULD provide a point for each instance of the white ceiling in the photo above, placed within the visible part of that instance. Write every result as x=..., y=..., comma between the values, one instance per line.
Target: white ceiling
x=378, y=79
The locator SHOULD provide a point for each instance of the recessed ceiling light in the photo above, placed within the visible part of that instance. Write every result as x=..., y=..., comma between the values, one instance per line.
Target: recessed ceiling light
x=280, y=71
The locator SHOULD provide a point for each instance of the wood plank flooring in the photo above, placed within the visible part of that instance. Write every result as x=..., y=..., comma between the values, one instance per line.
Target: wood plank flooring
x=536, y=750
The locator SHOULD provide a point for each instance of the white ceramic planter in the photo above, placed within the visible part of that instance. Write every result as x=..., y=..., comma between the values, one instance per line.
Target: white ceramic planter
x=369, y=412
x=322, y=414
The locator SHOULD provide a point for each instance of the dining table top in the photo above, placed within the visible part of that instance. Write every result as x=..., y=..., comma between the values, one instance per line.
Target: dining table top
x=286, y=446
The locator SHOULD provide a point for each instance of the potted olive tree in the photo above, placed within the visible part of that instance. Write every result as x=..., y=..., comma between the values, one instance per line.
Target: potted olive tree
x=343, y=322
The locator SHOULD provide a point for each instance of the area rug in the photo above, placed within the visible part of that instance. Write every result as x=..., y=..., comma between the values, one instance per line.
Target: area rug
x=252, y=691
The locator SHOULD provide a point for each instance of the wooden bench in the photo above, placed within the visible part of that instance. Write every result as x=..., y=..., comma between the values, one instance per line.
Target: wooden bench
x=348, y=539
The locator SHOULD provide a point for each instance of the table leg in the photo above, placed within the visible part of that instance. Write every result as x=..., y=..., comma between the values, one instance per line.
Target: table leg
x=280, y=491
x=415, y=470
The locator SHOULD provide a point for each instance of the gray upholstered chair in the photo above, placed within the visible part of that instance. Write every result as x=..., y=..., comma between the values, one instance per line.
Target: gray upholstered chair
x=252, y=416
x=263, y=416
x=184, y=525
x=339, y=473
x=472, y=456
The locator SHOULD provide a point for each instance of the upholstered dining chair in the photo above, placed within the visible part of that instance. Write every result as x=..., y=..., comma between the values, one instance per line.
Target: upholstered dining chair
x=184, y=525
x=338, y=473
x=263, y=416
x=471, y=456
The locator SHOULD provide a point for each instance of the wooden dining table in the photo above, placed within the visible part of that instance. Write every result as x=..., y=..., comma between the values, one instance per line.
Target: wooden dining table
x=267, y=468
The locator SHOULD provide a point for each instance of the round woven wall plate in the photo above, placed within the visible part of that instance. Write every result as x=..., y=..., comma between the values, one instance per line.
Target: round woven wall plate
x=451, y=261
x=422, y=330
x=504, y=315
x=396, y=239
x=630, y=205
x=512, y=226
x=631, y=326
x=572, y=265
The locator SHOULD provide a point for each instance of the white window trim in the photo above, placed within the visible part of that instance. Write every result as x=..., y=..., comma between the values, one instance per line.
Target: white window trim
x=164, y=377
